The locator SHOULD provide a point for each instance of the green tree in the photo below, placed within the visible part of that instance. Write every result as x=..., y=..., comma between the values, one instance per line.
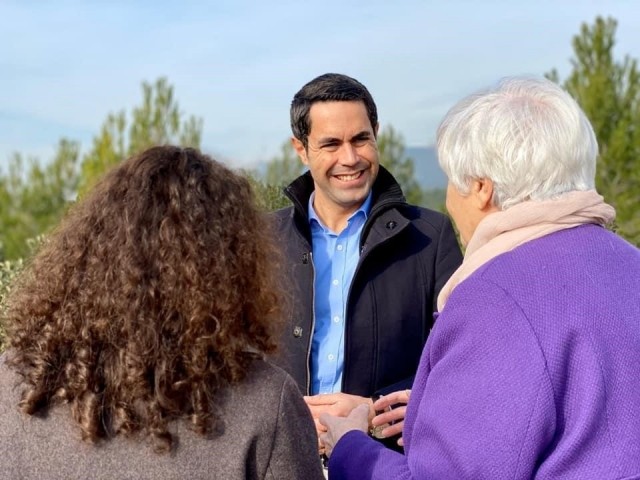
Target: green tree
x=283, y=169
x=435, y=199
x=279, y=172
x=34, y=197
x=157, y=121
x=392, y=156
x=608, y=90
x=268, y=196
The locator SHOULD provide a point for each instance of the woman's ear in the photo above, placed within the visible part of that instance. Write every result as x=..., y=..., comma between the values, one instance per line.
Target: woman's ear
x=482, y=191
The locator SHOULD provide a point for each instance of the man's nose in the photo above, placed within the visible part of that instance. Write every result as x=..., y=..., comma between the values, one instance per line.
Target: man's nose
x=349, y=154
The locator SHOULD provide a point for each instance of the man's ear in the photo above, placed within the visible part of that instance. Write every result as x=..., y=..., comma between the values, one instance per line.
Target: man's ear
x=482, y=191
x=375, y=130
x=300, y=150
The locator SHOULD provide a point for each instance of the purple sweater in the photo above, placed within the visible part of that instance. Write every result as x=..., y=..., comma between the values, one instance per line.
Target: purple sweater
x=531, y=371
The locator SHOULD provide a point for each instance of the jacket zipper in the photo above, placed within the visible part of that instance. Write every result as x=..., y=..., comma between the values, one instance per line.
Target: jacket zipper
x=313, y=321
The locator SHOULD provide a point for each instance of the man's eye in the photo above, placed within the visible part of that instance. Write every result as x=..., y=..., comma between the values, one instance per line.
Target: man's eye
x=331, y=147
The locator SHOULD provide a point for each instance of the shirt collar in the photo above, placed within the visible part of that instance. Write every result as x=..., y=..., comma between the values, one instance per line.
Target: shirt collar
x=364, y=209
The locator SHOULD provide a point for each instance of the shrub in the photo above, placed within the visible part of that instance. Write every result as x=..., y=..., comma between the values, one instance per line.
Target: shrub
x=8, y=271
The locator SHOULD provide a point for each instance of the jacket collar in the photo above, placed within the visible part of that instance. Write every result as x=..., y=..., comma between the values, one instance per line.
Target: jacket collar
x=386, y=193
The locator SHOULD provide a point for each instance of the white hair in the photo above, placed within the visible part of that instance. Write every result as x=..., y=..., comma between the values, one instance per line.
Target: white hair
x=526, y=134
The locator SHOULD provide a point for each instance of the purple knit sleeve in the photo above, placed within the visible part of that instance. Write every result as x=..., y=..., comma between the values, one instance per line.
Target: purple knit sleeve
x=358, y=456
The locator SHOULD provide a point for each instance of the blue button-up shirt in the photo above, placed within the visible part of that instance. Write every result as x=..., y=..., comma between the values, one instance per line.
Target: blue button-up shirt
x=335, y=257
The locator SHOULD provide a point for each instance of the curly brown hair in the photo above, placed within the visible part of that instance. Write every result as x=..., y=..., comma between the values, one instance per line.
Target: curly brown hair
x=155, y=291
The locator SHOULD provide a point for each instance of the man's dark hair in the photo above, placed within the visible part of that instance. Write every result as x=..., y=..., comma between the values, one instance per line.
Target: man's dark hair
x=327, y=88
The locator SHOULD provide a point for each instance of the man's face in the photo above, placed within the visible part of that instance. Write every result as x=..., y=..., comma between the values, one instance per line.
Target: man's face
x=342, y=155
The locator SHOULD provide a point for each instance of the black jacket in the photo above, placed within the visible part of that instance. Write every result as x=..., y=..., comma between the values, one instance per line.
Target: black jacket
x=407, y=253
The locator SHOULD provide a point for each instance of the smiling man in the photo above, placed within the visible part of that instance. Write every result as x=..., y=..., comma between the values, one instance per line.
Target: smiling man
x=364, y=266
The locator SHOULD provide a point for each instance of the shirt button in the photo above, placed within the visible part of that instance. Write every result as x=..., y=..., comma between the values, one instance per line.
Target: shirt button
x=330, y=356
x=336, y=319
x=335, y=281
x=339, y=247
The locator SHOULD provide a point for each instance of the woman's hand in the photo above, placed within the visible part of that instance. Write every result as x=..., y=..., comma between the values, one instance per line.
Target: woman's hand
x=358, y=419
x=337, y=404
x=394, y=417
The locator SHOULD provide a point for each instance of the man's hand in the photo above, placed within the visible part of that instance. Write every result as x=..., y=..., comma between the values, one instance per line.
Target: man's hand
x=395, y=415
x=336, y=427
x=337, y=404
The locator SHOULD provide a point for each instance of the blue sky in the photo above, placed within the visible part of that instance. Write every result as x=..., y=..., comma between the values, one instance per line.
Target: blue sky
x=64, y=65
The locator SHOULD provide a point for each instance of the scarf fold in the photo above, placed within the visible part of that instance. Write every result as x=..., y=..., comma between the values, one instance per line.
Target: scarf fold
x=503, y=231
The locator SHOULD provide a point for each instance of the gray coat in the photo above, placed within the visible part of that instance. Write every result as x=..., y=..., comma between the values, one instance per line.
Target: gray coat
x=268, y=434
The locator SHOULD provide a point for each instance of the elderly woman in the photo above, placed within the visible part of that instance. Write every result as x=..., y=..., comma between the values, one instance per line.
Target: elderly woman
x=141, y=328
x=531, y=370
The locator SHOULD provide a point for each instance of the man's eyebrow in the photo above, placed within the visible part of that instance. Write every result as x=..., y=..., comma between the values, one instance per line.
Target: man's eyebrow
x=363, y=135
x=324, y=140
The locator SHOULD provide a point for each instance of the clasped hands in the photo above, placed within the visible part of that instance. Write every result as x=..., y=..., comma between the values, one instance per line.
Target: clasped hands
x=335, y=414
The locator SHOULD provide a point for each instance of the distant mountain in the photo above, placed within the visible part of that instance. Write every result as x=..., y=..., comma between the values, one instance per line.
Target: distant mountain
x=427, y=170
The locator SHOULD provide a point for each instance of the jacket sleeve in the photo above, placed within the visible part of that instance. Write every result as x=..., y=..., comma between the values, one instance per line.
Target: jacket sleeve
x=482, y=404
x=295, y=443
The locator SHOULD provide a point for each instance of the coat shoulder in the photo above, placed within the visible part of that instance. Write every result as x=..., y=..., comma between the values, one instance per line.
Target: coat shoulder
x=426, y=218
x=281, y=217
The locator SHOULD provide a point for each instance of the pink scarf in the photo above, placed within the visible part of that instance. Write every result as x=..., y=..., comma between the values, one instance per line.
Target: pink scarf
x=503, y=231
